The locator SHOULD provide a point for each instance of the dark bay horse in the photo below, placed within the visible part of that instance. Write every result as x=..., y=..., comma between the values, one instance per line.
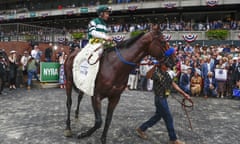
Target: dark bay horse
x=112, y=77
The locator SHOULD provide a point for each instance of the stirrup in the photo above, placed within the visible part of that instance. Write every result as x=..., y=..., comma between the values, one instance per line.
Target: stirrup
x=95, y=61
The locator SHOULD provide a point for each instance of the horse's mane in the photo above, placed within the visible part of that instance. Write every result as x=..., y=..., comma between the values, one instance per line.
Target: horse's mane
x=130, y=41
x=126, y=43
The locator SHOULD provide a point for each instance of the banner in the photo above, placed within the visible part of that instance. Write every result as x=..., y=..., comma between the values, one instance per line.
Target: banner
x=44, y=14
x=32, y=14
x=49, y=71
x=84, y=10
x=221, y=74
x=1, y=18
x=132, y=8
x=118, y=38
x=167, y=37
x=170, y=5
x=190, y=37
x=21, y=16
x=212, y=3
x=70, y=12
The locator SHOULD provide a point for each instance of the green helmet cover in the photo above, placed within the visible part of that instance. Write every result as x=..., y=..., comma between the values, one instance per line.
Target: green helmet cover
x=103, y=8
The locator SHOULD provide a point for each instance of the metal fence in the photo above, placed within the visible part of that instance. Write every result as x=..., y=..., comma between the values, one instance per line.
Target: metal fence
x=25, y=32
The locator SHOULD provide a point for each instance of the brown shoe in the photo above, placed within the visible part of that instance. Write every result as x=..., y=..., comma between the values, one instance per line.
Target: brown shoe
x=141, y=133
x=176, y=142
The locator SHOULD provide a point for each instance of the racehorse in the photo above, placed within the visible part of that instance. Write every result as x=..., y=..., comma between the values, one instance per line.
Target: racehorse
x=115, y=66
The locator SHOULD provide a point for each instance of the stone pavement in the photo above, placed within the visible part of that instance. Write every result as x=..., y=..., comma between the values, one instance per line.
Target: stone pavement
x=38, y=117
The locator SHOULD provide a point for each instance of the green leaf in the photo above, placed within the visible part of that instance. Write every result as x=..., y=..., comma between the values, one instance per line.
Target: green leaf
x=217, y=34
x=78, y=35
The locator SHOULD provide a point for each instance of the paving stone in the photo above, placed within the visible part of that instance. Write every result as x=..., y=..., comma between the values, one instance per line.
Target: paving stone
x=38, y=116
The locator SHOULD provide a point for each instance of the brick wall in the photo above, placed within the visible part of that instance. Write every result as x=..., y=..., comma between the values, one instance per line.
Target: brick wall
x=20, y=47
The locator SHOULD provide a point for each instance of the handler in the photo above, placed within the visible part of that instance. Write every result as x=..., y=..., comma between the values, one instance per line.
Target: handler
x=162, y=81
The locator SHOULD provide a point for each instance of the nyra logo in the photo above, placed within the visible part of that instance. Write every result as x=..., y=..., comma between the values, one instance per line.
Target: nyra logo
x=50, y=71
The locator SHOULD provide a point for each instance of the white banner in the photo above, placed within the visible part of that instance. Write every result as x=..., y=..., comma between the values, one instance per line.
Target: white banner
x=221, y=74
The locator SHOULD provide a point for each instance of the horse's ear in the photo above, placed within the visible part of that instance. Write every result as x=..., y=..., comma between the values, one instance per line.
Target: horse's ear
x=155, y=27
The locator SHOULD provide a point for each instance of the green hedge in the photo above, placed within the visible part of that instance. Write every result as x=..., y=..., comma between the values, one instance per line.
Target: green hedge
x=135, y=33
x=78, y=35
x=217, y=34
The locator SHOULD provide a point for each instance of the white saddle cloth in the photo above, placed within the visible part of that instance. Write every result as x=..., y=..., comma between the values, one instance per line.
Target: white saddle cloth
x=84, y=74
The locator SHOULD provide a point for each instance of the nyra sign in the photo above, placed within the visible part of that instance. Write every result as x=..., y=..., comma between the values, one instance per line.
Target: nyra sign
x=49, y=71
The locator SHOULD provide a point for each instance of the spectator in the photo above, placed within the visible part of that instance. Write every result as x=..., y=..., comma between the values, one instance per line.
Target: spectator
x=62, y=78
x=13, y=69
x=188, y=48
x=48, y=53
x=196, y=83
x=133, y=79
x=221, y=83
x=210, y=86
x=143, y=68
x=207, y=67
x=32, y=71
x=2, y=73
x=36, y=54
x=185, y=78
x=24, y=60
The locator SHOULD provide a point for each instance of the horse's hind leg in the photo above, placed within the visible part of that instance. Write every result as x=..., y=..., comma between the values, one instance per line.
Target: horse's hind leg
x=80, y=95
x=68, y=132
x=112, y=103
x=96, y=103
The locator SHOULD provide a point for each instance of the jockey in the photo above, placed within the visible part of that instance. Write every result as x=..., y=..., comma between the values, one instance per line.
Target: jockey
x=86, y=63
x=97, y=27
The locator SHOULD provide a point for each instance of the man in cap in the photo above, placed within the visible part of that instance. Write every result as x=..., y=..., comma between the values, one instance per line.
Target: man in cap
x=162, y=81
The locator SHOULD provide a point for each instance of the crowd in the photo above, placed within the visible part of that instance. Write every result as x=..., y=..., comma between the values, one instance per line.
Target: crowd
x=60, y=4
x=200, y=70
x=170, y=26
x=212, y=71
x=19, y=69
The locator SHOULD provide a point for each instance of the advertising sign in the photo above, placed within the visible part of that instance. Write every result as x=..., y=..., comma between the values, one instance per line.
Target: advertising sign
x=49, y=71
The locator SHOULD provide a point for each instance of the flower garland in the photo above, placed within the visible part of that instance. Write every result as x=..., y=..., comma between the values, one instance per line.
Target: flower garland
x=106, y=44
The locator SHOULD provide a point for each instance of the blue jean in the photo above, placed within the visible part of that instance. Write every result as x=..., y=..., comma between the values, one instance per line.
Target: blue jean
x=143, y=83
x=31, y=73
x=210, y=92
x=162, y=111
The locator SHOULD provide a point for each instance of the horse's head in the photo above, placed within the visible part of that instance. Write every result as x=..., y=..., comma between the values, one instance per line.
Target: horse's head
x=159, y=48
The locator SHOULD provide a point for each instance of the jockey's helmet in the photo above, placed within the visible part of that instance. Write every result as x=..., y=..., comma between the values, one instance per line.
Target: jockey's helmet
x=103, y=8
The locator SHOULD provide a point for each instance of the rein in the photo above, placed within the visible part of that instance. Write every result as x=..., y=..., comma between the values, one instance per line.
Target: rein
x=123, y=60
x=186, y=103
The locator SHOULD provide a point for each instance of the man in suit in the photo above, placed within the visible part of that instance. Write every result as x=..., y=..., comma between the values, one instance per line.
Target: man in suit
x=210, y=86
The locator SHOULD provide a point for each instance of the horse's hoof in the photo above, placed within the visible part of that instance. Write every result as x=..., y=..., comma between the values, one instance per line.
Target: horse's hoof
x=82, y=135
x=76, y=119
x=103, y=140
x=68, y=133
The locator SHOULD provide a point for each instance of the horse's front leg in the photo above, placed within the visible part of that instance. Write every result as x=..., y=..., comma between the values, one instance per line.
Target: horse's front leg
x=112, y=103
x=68, y=132
x=80, y=95
x=96, y=104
